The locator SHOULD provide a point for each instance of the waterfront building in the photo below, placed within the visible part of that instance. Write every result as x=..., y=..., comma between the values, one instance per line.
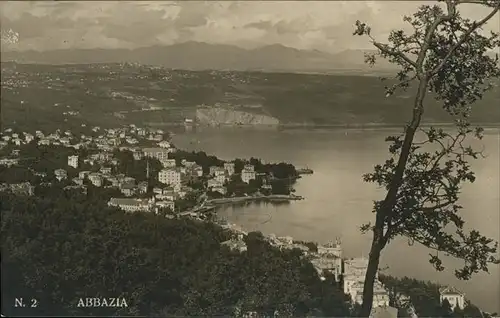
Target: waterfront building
x=247, y=175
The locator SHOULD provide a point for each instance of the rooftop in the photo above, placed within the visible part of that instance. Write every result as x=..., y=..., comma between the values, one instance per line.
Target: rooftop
x=450, y=290
x=127, y=201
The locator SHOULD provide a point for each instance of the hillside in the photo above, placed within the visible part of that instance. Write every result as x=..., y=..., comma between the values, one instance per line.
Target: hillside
x=115, y=94
x=161, y=267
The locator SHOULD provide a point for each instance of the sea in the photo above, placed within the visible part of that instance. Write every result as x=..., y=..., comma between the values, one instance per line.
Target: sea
x=337, y=200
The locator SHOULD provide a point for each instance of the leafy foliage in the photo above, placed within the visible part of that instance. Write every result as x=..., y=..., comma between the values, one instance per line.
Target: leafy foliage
x=445, y=55
x=425, y=298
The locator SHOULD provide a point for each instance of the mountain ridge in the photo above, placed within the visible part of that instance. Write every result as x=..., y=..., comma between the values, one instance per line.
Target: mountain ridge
x=203, y=56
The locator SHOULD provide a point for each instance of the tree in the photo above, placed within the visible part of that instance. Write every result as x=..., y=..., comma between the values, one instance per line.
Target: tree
x=444, y=55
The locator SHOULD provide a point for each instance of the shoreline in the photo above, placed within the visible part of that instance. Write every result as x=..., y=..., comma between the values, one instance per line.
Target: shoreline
x=270, y=198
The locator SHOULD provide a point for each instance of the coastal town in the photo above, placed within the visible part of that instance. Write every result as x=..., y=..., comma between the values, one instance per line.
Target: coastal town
x=166, y=179
x=172, y=183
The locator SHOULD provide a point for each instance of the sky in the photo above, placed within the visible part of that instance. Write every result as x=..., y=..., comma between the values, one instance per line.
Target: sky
x=321, y=25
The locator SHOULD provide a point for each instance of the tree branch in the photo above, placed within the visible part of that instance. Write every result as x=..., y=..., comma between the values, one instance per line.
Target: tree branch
x=429, y=33
x=387, y=50
x=464, y=37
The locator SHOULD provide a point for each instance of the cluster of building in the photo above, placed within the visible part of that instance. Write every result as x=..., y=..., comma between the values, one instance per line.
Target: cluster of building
x=174, y=175
x=24, y=188
x=104, y=139
x=350, y=272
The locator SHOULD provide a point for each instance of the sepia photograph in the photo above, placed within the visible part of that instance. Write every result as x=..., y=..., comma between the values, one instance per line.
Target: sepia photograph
x=250, y=158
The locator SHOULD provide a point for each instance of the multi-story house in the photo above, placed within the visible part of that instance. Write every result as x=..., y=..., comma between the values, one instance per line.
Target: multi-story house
x=229, y=167
x=455, y=297
x=83, y=174
x=168, y=163
x=170, y=176
x=188, y=164
x=138, y=155
x=130, y=205
x=167, y=195
x=249, y=168
x=247, y=175
x=215, y=171
x=220, y=178
x=28, y=138
x=197, y=170
x=105, y=170
x=143, y=187
x=73, y=161
x=158, y=153
x=96, y=179
x=354, y=276
x=128, y=190
x=166, y=204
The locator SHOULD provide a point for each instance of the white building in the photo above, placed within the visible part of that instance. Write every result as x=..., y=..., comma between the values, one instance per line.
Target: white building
x=170, y=176
x=130, y=205
x=247, y=175
x=73, y=161
x=380, y=295
x=249, y=168
x=166, y=204
x=214, y=183
x=61, y=174
x=83, y=174
x=164, y=144
x=354, y=277
x=330, y=259
x=229, y=167
x=188, y=164
x=138, y=155
x=28, y=137
x=158, y=153
x=215, y=171
x=96, y=179
x=168, y=163
x=453, y=295
x=220, y=189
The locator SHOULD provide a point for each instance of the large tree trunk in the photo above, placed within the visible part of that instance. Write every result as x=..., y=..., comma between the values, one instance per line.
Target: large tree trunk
x=371, y=272
x=384, y=215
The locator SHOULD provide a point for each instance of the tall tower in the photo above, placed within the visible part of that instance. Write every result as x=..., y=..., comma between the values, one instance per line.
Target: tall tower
x=147, y=169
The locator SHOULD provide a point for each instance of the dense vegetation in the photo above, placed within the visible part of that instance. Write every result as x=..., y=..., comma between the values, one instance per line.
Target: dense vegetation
x=292, y=98
x=424, y=297
x=61, y=247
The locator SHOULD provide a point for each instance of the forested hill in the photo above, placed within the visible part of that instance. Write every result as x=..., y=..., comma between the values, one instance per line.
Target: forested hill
x=38, y=94
x=59, y=247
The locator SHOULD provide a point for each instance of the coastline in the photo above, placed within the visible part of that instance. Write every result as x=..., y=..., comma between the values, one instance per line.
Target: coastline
x=271, y=198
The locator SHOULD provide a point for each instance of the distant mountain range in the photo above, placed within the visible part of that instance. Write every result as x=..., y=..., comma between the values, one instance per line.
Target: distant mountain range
x=203, y=56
